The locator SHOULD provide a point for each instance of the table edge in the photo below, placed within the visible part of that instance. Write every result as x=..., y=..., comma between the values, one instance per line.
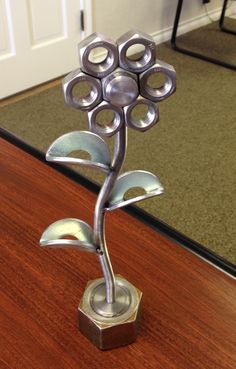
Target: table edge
x=151, y=221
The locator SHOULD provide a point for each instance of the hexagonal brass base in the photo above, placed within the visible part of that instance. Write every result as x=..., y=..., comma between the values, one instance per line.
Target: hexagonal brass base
x=110, y=325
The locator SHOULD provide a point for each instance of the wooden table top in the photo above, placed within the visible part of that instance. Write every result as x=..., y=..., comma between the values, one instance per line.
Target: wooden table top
x=189, y=310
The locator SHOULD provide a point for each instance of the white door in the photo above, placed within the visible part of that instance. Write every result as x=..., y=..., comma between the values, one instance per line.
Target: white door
x=38, y=42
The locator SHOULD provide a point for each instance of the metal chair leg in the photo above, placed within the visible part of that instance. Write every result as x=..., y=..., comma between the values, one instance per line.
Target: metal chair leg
x=193, y=53
x=222, y=18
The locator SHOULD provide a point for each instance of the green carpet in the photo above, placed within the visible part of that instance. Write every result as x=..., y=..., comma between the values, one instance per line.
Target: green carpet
x=192, y=149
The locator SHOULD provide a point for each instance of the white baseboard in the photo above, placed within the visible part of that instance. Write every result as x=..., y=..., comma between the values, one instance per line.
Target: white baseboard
x=184, y=27
x=189, y=25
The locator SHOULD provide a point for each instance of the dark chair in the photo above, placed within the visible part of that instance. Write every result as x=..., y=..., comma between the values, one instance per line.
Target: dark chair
x=193, y=53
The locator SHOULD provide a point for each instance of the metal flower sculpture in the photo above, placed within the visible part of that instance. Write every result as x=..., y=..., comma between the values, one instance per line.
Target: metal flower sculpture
x=109, y=310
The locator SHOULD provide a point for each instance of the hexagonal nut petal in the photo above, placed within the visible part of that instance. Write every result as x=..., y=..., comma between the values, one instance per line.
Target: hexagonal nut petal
x=142, y=123
x=89, y=100
x=120, y=87
x=107, y=332
x=159, y=93
x=110, y=127
x=136, y=37
x=106, y=66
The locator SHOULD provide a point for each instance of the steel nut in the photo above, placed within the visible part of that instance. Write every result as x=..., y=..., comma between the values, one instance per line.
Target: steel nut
x=110, y=325
x=120, y=87
x=90, y=43
x=136, y=37
x=111, y=126
x=141, y=123
x=87, y=101
x=159, y=93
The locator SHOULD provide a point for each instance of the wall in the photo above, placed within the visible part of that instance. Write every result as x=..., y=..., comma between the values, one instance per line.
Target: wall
x=155, y=17
x=234, y=9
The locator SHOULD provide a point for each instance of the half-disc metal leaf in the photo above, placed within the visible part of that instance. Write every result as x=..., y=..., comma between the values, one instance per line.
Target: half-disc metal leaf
x=138, y=178
x=69, y=232
x=89, y=142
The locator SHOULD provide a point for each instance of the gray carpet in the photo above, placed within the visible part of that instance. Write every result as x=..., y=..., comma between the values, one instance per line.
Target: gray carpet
x=192, y=149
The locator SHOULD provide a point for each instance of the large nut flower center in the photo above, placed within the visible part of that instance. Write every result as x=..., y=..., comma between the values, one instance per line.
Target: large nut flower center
x=121, y=90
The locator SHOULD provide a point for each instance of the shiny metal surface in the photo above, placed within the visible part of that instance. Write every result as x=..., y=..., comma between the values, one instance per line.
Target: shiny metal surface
x=131, y=38
x=110, y=325
x=99, y=214
x=59, y=234
x=87, y=46
x=138, y=178
x=143, y=123
x=159, y=93
x=120, y=87
x=110, y=308
x=84, y=103
x=110, y=128
x=95, y=301
x=61, y=149
x=119, y=306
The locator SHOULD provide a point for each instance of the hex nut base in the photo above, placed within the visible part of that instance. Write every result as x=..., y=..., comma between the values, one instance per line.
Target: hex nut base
x=118, y=326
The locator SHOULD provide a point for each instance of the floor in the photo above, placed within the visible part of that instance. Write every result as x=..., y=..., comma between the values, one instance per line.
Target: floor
x=31, y=92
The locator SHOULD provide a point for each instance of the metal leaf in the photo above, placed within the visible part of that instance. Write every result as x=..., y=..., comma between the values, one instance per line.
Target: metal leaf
x=138, y=178
x=55, y=235
x=93, y=144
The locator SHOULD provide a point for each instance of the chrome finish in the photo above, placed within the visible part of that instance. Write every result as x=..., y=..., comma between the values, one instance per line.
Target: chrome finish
x=110, y=308
x=131, y=38
x=86, y=141
x=120, y=305
x=87, y=102
x=55, y=235
x=110, y=128
x=110, y=325
x=137, y=178
x=99, y=214
x=126, y=300
x=120, y=87
x=143, y=124
x=107, y=65
x=160, y=93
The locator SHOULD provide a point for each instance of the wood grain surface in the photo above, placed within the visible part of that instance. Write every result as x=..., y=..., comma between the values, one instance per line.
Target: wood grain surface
x=189, y=315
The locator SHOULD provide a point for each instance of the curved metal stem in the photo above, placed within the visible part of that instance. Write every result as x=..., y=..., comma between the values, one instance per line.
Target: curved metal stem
x=99, y=215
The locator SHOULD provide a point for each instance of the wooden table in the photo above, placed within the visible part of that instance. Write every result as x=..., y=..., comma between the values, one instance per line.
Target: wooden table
x=189, y=315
